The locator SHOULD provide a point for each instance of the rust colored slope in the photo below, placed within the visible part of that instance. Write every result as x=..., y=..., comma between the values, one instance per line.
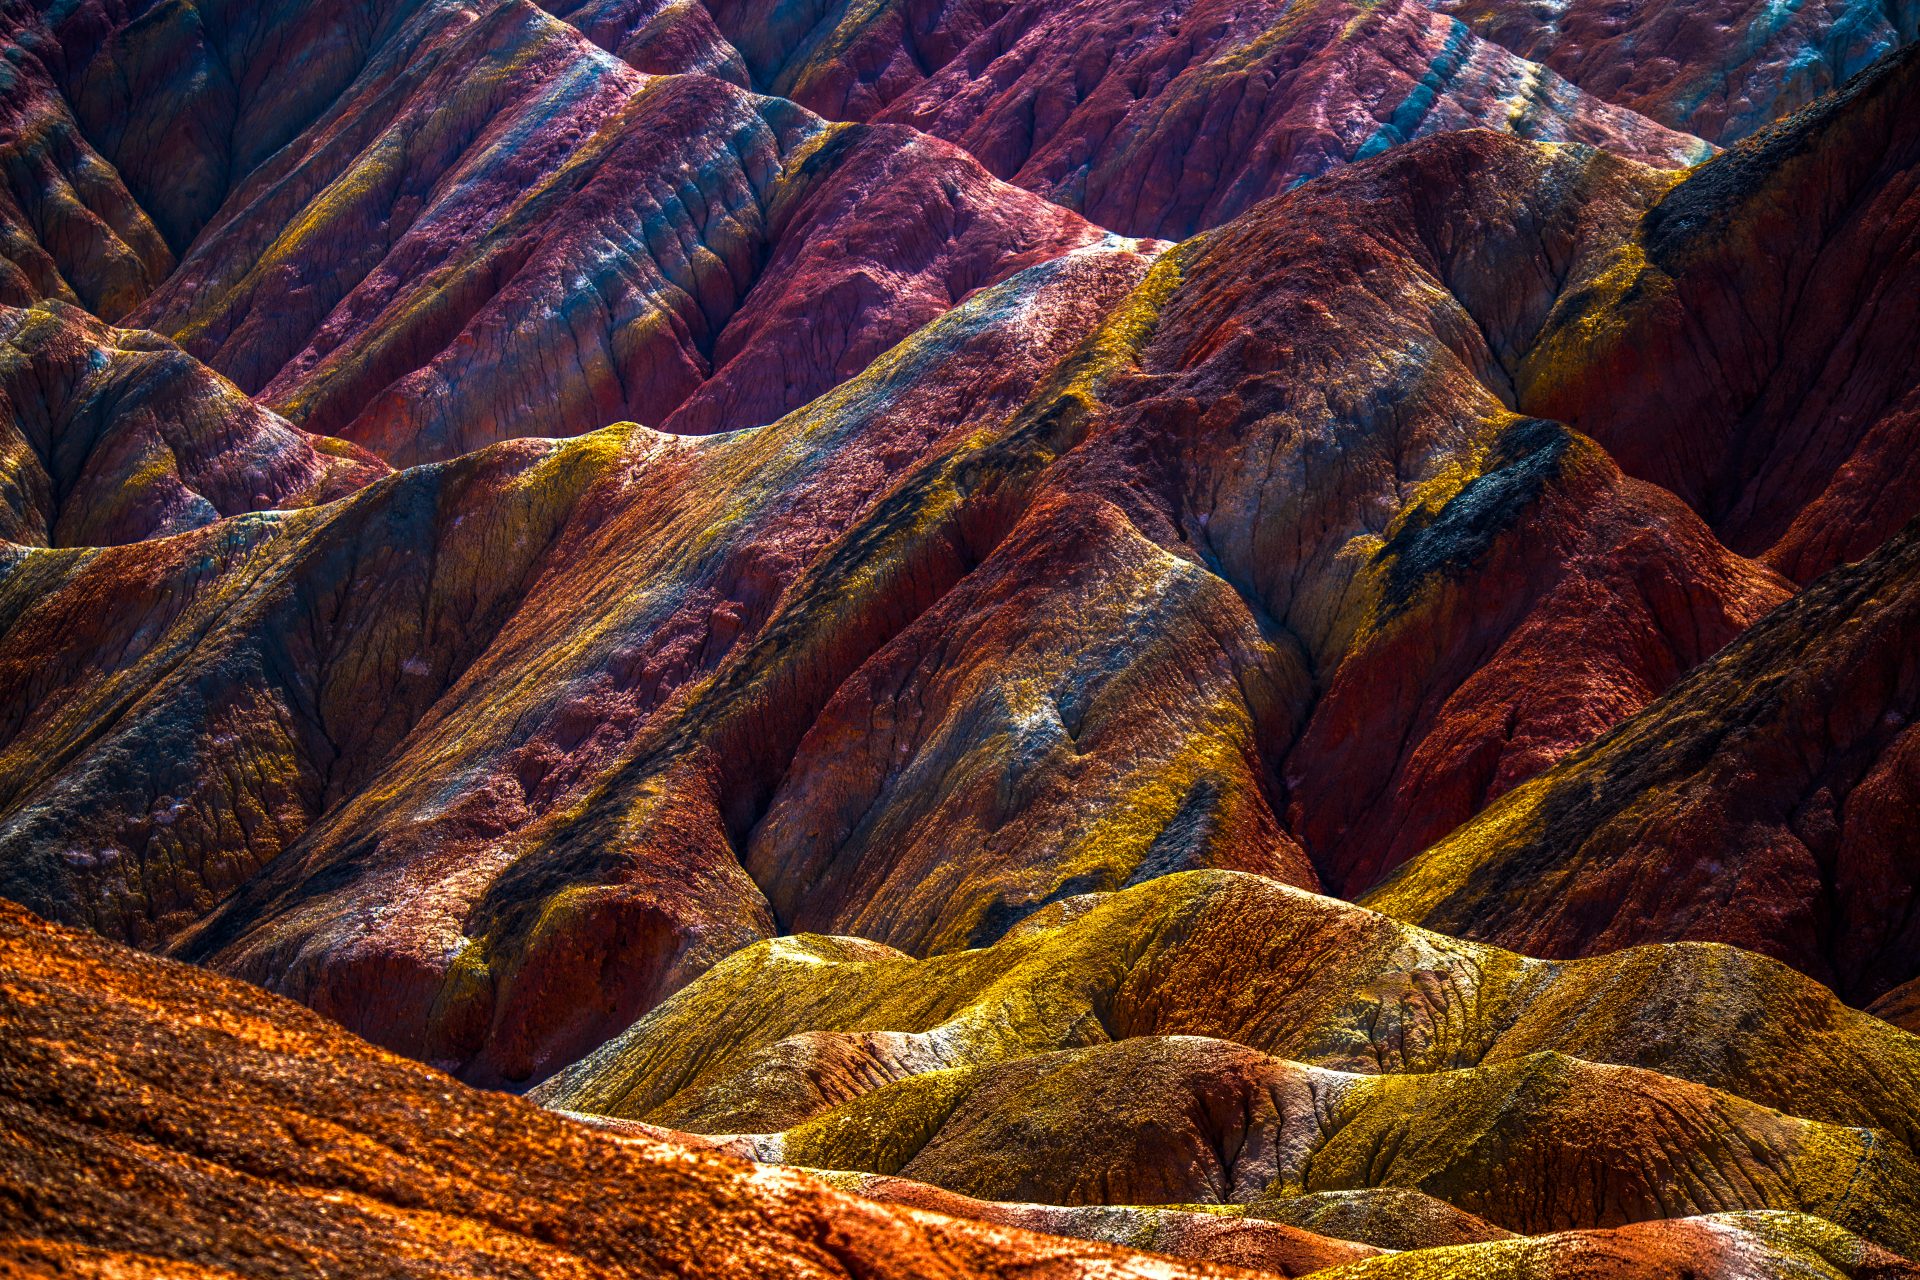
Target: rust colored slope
x=1235, y=1239
x=112, y=435
x=1518, y=616
x=1158, y=119
x=1764, y=801
x=1901, y=1006
x=201, y=1128
x=1750, y=345
x=1315, y=418
x=554, y=849
x=500, y=231
x=179, y=708
x=161, y=1120
x=1036, y=604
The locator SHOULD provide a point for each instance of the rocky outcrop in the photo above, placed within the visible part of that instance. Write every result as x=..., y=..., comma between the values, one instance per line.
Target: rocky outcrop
x=865, y=662
x=1721, y=70
x=500, y=231
x=69, y=228
x=1240, y=1240
x=109, y=436
x=1389, y=1217
x=179, y=709
x=1351, y=337
x=844, y=674
x=164, y=1121
x=1767, y=1243
x=1158, y=120
x=394, y=590
x=660, y=37
x=1760, y=802
x=1749, y=346
x=1216, y=1038
x=1522, y=613
x=1535, y=1144
x=1900, y=1006
x=790, y=1028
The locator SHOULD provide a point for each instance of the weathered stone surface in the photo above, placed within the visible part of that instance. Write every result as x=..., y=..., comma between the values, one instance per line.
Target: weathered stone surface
x=790, y=1028
x=1729, y=1243
x=69, y=228
x=1750, y=348
x=1187, y=1232
x=1390, y=1217
x=1721, y=69
x=1540, y=1143
x=1166, y=120
x=162, y=1121
x=110, y=435
x=886, y=655
x=1764, y=801
x=843, y=674
x=500, y=231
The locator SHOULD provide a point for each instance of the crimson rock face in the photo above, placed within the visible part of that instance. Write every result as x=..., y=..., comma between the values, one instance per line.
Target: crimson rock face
x=835, y=584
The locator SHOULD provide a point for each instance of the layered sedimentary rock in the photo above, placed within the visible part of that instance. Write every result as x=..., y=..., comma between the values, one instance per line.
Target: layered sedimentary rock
x=69, y=228
x=186, y=99
x=1735, y=1243
x=164, y=1121
x=1901, y=1006
x=1751, y=347
x=1389, y=1217
x=501, y=231
x=660, y=37
x=1763, y=801
x=1535, y=1144
x=1151, y=1048
x=790, y=1028
x=1158, y=120
x=1194, y=1231
x=1721, y=70
x=530, y=553
x=1519, y=613
x=109, y=436
x=868, y=661
x=844, y=675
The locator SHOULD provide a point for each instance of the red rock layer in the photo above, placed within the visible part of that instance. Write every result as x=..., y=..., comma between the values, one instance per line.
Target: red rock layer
x=1089, y=580
x=1165, y=120
x=1752, y=352
x=163, y=1121
x=499, y=231
x=1721, y=69
x=846, y=673
x=1764, y=801
x=1757, y=803
x=111, y=435
x=1900, y=1006
x=186, y=99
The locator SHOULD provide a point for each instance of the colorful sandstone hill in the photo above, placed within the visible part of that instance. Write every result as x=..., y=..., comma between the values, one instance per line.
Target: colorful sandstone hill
x=1048, y=637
